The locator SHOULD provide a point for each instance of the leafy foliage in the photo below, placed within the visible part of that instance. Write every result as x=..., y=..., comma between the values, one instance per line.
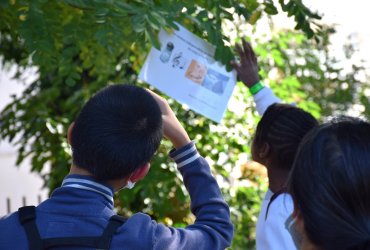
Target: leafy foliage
x=81, y=46
x=328, y=86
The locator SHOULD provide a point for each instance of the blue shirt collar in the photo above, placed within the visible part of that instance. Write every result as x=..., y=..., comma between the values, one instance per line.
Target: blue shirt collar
x=88, y=183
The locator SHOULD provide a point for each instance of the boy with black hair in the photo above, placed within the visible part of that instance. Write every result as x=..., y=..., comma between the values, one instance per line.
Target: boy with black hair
x=277, y=138
x=113, y=140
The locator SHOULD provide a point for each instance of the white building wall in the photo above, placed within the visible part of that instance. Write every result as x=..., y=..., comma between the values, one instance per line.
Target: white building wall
x=18, y=186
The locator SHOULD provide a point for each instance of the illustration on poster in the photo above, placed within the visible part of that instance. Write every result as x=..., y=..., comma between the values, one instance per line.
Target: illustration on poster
x=206, y=77
x=179, y=61
x=215, y=81
x=196, y=72
x=193, y=76
x=166, y=53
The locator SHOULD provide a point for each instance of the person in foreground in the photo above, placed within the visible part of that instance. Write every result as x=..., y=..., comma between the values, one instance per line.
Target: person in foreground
x=277, y=137
x=330, y=186
x=113, y=140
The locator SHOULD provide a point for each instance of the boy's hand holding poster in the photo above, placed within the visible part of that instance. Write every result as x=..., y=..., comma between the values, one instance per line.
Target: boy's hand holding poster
x=185, y=70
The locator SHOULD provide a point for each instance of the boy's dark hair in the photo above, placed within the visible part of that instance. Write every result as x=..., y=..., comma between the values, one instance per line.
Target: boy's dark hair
x=330, y=184
x=283, y=126
x=117, y=131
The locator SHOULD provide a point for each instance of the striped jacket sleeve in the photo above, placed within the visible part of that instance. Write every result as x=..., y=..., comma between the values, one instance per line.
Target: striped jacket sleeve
x=212, y=228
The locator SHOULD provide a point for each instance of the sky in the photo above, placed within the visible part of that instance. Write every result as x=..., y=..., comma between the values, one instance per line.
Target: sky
x=352, y=18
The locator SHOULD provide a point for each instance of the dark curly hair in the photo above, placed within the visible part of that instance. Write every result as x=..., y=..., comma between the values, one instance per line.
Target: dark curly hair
x=283, y=126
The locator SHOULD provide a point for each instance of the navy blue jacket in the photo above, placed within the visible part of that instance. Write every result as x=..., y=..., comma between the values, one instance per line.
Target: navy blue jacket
x=82, y=207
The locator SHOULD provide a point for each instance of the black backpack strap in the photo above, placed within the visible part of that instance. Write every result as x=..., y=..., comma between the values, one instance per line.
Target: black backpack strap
x=99, y=242
x=114, y=223
x=27, y=217
x=273, y=197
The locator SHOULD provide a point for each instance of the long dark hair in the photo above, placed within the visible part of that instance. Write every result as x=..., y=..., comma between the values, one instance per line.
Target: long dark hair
x=330, y=184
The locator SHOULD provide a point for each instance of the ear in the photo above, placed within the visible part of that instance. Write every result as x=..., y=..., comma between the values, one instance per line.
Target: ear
x=297, y=215
x=299, y=222
x=296, y=211
x=69, y=133
x=140, y=173
x=264, y=150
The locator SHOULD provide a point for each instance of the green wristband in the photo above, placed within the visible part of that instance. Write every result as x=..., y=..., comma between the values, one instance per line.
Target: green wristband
x=256, y=88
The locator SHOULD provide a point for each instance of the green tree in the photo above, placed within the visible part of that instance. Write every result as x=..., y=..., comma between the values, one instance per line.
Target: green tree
x=327, y=84
x=79, y=47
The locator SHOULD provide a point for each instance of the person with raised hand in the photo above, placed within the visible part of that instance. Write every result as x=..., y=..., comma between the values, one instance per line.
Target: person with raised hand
x=275, y=143
x=113, y=140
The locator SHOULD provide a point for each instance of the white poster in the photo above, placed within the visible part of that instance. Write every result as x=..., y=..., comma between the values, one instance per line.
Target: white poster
x=185, y=70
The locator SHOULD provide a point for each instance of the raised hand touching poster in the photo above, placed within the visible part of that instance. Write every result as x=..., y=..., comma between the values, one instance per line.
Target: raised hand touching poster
x=185, y=70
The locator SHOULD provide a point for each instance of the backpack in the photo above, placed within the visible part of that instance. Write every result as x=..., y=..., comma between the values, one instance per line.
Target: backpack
x=27, y=217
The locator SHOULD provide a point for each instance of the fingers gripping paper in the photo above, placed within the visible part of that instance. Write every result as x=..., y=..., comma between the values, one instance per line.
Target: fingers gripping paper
x=185, y=70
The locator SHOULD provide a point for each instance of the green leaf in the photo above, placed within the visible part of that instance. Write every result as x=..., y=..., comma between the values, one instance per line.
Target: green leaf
x=255, y=17
x=155, y=20
x=138, y=23
x=270, y=9
x=149, y=34
x=245, y=12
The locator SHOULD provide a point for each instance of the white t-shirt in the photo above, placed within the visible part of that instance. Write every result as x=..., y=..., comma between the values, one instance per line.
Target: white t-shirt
x=264, y=98
x=271, y=233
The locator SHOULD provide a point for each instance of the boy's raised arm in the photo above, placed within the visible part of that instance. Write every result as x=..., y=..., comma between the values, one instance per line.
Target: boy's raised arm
x=212, y=228
x=172, y=128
